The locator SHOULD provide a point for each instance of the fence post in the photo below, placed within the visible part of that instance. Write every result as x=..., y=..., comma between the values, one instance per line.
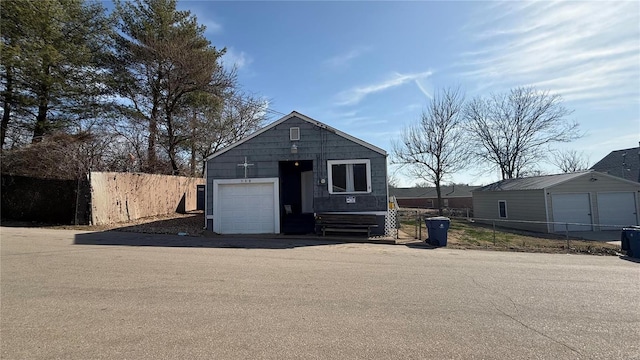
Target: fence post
x=417, y=225
x=566, y=231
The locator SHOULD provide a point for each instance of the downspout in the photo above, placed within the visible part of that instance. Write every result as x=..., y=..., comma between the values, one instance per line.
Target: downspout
x=90, y=207
x=546, y=209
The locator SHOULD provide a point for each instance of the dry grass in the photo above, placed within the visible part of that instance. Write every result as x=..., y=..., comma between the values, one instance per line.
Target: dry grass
x=467, y=235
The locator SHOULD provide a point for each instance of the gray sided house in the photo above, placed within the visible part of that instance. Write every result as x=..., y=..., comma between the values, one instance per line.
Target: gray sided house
x=275, y=180
x=581, y=201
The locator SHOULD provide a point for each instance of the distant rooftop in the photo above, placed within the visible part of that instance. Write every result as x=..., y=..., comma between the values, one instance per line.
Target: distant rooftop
x=448, y=191
x=621, y=163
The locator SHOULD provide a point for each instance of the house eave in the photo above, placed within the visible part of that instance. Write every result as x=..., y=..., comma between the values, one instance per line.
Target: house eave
x=307, y=119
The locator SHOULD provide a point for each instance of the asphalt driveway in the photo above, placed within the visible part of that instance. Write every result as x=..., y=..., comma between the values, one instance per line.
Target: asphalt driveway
x=77, y=295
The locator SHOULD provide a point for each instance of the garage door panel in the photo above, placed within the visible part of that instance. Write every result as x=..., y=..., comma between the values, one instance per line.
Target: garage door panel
x=246, y=208
x=571, y=209
x=617, y=209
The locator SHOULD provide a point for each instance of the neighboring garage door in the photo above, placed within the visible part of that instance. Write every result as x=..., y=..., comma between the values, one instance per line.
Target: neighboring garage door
x=571, y=208
x=618, y=208
x=246, y=208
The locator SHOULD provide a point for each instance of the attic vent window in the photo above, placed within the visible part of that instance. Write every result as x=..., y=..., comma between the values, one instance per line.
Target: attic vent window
x=294, y=133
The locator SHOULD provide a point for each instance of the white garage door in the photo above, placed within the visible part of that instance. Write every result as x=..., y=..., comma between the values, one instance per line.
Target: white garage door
x=245, y=208
x=571, y=208
x=617, y=208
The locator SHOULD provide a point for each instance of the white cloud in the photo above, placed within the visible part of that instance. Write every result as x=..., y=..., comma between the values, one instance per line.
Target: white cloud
x=343, y=60
x=355, y=95
x=586, y=51
x=233, y=58
x=423, y=89
x=211, y=26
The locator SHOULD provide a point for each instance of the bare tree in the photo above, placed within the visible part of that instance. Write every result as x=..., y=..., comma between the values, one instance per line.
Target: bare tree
x=57, y=156
x=570, y=160
x=241, y=115
x=435, y=147
x=393, y=181
x=511, y=130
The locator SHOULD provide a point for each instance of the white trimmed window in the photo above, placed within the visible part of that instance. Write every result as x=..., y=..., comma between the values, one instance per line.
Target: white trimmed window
x=294, y=133
x=349, y=176
x=502, y=209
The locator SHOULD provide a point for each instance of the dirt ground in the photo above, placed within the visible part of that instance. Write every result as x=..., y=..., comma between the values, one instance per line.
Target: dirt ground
x=467, y=235
x=191, y=223
x=461, y=235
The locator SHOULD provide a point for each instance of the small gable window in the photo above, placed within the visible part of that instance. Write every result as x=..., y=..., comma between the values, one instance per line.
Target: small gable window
x=349, y=176
x=294, y=133
x=502, y=209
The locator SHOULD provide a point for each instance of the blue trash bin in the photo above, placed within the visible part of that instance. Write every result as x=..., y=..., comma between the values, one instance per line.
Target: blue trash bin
x=630, y=239
x=437, y=228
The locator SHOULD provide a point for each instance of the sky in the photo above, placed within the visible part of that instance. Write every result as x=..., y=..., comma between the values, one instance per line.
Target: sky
x=370, y=68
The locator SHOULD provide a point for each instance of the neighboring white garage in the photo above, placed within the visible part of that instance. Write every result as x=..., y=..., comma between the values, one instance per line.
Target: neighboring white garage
x=246, y=206
x=581, y=201
x=617, y=209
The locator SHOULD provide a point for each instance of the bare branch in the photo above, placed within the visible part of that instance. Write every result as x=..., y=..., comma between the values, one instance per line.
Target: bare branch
x=511, y=130
x=435, y=147
x=570, y=160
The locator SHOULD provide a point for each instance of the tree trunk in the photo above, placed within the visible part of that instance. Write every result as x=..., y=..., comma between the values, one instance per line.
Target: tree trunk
x=192, y=162
x=439, y=194
x=42, y=123
x=152, y=157
x=8, y=99
x=172, y=145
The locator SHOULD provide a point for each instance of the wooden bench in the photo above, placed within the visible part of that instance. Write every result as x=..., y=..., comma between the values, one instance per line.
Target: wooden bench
x=346, y=223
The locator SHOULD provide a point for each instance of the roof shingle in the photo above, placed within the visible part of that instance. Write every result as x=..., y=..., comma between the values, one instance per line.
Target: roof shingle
x=623, y=163
x=531, y=183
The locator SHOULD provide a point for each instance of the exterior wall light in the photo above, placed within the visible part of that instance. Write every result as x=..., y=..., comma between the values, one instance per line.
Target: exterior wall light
x=294, y=149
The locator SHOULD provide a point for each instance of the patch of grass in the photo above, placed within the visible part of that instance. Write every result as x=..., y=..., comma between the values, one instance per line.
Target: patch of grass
x=467, y=235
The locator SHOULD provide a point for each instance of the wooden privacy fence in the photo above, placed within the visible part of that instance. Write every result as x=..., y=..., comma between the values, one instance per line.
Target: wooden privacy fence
x=121, y=197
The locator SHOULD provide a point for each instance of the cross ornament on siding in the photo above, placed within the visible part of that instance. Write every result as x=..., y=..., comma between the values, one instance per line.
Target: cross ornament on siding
x=245, y=165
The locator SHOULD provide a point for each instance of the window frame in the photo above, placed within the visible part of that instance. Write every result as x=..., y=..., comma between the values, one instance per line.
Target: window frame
x=330, y=164
x=292, y=131
x=506, y=212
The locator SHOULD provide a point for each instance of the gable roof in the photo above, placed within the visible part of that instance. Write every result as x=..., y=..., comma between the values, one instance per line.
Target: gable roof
x=304, y=118
x=430, y=192
x=616, y=161
x=531, y=183
x=543, y=182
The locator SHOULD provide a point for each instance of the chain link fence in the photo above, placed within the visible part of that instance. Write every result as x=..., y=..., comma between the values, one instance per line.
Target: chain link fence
x=410, y=222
